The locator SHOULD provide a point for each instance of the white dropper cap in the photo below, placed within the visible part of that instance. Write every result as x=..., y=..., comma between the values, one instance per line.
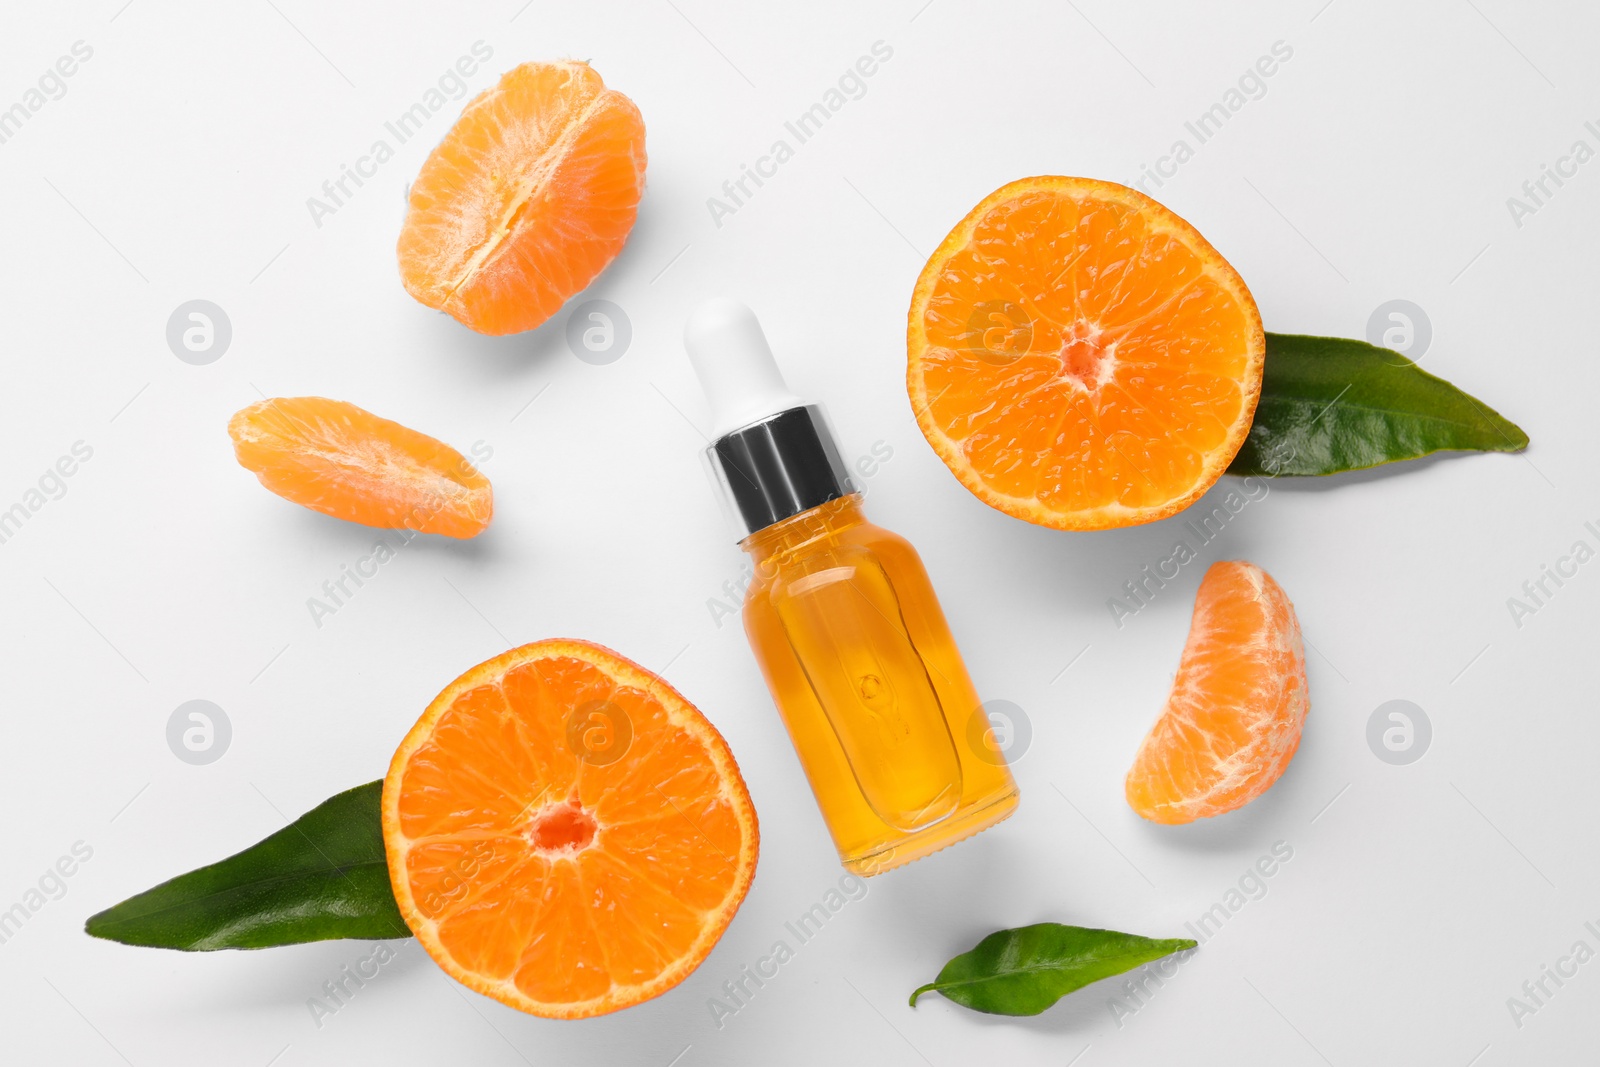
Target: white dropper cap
x=734, y=363
x=772, y=455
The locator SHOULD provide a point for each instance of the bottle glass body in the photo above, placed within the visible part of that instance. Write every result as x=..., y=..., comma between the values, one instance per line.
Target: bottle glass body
x=862, y=666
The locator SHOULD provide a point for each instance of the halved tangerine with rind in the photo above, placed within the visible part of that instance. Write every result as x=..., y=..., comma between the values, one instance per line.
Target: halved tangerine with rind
x=1080, y=357
x=565, y=833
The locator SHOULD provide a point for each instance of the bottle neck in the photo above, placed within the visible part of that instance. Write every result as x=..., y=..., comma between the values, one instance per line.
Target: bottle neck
x=779, y=467
x=798, y=531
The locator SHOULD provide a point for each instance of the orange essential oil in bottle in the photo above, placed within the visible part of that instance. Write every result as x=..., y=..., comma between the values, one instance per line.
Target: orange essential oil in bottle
x=843, y=621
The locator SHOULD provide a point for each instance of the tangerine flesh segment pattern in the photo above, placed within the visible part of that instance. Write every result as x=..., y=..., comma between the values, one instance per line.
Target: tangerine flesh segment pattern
x=663, y=855
x=1204, y=330
x=448, y=875
x=486, y=932
x=563, y=960
x=643, y=926
x=1141, y=441
x=967, y=280
x=1182, y=367
x=1112, y=236
x=689, y=852
x=1158, y=271
x=475, y=773
x=1167, y=344
x=1069, y=477
x=1028, y=241
x=1014, y=459
x=664, y=807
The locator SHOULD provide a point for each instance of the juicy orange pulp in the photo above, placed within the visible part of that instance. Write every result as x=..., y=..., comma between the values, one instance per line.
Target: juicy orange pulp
x=528, y=197
x=333, y=457
x=1237, y=707
x=1080, y=357
x=565, y=833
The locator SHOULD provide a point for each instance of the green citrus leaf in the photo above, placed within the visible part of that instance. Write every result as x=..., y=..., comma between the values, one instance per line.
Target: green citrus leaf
x=323, y=876
x=1331, y=404
x=1024, y=971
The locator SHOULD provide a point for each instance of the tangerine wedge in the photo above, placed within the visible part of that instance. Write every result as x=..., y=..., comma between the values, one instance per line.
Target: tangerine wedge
x=1080, y=357
x=333, y=457
x=1237, y=707
x=565, y=833
x=528, y=197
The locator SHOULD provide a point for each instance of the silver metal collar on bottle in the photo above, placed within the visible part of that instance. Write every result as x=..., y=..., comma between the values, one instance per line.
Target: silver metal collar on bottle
x=779, y=466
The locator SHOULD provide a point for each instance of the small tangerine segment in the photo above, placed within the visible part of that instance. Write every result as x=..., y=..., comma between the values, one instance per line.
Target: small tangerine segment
x=334, y=457
x=1238, y=705
x=544, y=869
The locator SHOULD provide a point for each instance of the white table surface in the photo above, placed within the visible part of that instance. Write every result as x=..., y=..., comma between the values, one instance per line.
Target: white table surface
x=1375, y=165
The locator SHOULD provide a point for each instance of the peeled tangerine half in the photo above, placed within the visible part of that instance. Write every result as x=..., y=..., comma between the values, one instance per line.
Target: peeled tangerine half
x=528, y=197
x=1080, y=357
x=1237, y=707
x=565, y=833
x=333, y=457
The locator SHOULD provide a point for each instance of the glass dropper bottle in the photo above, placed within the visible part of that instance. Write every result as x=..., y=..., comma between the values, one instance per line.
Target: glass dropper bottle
x=843, y=620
